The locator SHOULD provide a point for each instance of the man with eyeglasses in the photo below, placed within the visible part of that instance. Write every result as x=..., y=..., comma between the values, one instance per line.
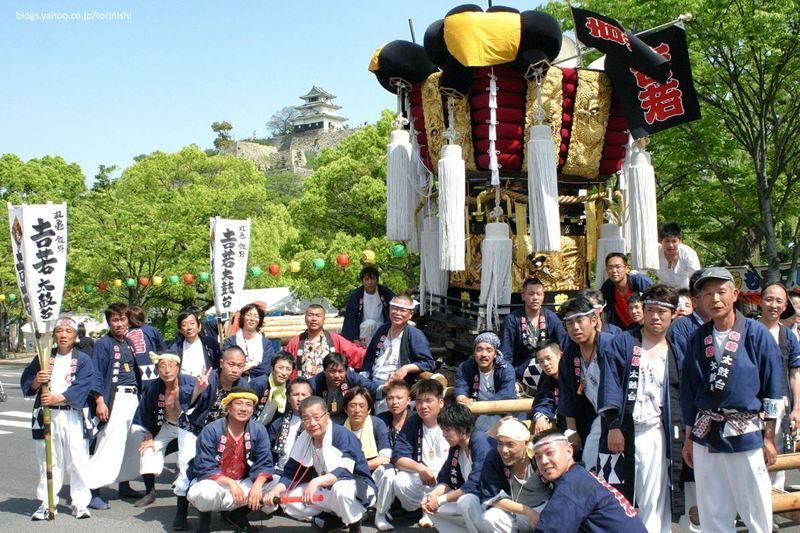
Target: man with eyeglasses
x=328, y=471
x=618, y=288
x=232, y=465
x=211, y=387
x=161, y=418
x=398, y=350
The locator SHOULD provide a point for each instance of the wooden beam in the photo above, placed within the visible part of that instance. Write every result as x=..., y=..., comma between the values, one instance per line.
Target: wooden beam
x=498, y=407
x=784, y=502
x=786, y=461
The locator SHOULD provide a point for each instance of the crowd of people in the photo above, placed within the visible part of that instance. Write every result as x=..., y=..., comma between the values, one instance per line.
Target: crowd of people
x=650, y=403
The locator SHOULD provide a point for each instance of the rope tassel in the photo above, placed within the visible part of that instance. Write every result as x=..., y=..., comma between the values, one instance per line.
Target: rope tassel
x=399, y=192
x=643, y=216
x=545, y=225
x=610, y=241
x=432, y=279
x=495, y=271
x=452, y=197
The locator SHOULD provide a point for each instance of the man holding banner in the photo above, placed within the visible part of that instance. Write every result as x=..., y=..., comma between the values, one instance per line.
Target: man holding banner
x=70, y=376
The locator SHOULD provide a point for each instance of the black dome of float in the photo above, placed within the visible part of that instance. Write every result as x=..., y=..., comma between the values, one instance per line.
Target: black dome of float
x=404, y=60
x=540, y=39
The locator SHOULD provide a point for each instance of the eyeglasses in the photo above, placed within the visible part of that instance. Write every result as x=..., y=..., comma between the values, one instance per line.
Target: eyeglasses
x=313, y=419
x=615, y=267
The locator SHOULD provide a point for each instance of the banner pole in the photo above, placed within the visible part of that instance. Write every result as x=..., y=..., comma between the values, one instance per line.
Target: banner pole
x=44, y=363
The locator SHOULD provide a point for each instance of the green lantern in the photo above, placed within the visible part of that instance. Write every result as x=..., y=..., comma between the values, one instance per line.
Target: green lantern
x=88, y=288
x=398, y=250
x=318, y=263
x=130, y=282
x=255, y=271
x=204, y=276
x=173, y=279
x=12, y=297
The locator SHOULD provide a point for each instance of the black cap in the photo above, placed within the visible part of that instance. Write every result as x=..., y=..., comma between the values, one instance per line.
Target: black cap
x=713, y=273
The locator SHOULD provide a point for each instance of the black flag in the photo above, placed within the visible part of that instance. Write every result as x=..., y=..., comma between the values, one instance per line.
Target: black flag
x=650, y=106
x=609, y=37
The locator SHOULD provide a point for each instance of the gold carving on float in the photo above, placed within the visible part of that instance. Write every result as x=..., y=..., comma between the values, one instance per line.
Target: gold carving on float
x=463, y=127
x=589, y=122
x=433, y=112
x=552, y=97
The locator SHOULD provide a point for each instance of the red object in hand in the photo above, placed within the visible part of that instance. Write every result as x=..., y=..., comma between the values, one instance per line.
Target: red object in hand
x=294, y=499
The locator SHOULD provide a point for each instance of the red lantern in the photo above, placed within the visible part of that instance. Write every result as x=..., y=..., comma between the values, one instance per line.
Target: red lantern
x=188, y=278
x=343, y=260
x=144, y=282
x=274, y=269
x=103, y=286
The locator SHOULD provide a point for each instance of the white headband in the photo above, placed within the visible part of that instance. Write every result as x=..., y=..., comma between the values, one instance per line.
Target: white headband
x=156, y=358
x=658, y=303
x=549, y=440
x=573, y=316
x=514, y=429
x=410, y=307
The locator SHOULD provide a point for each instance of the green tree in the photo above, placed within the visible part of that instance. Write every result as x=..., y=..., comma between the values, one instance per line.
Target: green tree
x=223, y=130
x=735, y=173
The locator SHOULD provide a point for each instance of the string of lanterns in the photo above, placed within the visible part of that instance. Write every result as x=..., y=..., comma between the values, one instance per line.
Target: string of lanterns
x=255, y=271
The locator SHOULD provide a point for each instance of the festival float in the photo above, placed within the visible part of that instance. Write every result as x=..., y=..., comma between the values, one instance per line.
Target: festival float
x=509, y=159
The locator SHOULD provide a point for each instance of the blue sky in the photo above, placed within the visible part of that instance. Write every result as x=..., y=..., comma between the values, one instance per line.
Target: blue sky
x=102, y=91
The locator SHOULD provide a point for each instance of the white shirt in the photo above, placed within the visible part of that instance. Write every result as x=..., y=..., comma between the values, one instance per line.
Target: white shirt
x=59, y=379
x=433, y=440
x=720, y=338
x=486, y=390
x=294, y=429
x=253, y=348
x=193, y=362
x=650, y=394
x=464, y=463
x=686, y=265
x=592, y=383
x=386, y=361
x=373, y=308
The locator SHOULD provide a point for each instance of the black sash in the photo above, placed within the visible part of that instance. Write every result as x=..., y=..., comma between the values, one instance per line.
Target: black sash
x=283, y=434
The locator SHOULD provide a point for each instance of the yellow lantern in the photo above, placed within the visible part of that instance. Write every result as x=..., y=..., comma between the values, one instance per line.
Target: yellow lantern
x=294, y=266
x=368, y=257
x=118, y=283
x=157, y=281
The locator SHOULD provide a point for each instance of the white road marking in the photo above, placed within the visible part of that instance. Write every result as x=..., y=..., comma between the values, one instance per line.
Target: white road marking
x=18, y=414
x=14, y=423
x=6, y=432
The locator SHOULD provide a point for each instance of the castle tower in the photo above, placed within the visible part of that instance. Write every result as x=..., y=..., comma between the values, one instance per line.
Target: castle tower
x=318, y=112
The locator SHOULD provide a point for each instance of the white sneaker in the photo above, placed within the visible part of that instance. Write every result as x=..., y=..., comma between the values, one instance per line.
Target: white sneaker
x=42, y=513
x=82, y=513
x=382, y=524
x=425, y=521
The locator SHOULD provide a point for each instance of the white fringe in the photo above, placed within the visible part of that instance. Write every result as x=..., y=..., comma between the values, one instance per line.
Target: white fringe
x=418, y=178
x=643, y=216
x=399, y=193
x=545, y=227
x=432, y=279
x=625, y=216
x=495, y=271
x=610, y=241
x=452, y=197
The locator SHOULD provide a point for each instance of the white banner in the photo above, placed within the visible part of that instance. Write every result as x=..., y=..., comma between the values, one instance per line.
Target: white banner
x=230, y=244
x=39, y=247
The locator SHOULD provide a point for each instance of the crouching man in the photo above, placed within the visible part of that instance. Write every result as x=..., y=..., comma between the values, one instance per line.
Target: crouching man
x=232, y=462
x=326, y=476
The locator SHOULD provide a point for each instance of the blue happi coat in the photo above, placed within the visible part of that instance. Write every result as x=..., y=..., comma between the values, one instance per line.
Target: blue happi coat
x=150, y=412
x=203, y=404
x=546, y=400
x=265, y=366
x=211, y=351
x=354, y=312
x=514, y=349
x=335, y=402
x=105, y=374
x=680, y=332
x=409, y=440
x=82, y=382
x=414, y=349
x=468, y=380
x=752, y=385
x=480, y=445
x=143, y=340
x=212, y=441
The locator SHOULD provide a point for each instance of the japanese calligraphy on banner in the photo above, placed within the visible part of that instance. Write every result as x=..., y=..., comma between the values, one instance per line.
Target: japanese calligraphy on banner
x=230, y=244
x=39, y=249
x=650, y=106
x=749, y=283
x=609, y=37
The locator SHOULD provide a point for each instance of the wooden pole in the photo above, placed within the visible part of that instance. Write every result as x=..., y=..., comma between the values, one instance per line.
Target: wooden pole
x=498, y=407
x=43, y=353
x=786, y=461
x=783, y=502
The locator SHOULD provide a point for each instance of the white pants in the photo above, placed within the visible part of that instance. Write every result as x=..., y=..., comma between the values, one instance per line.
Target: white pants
x=339, y=499
x=152, y=460
x=779, y=478
x=496, y=520
x=409, y=490
x=728, y=483
x=367, y=329
x=384, y=478
x=591, y=448
x=70, y=455
x=651, y=488
x=208, y=495
x=455, y=517
x=116, y=456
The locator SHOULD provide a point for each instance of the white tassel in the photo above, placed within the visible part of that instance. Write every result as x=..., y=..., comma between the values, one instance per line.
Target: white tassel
x=495, y=271
x=494, y=167
x=432, y=279
x=625, y=215
x=418, y=179
x=399, y=193
x=452, y=196
x=643, y=216
x=610, y=241
x=545, y=224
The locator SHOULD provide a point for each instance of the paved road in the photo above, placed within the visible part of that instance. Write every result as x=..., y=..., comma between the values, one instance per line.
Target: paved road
x=18, y=486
